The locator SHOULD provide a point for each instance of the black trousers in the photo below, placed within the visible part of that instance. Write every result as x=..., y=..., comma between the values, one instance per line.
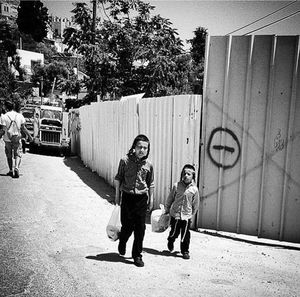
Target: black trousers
x=180, y=227
x=133, y=219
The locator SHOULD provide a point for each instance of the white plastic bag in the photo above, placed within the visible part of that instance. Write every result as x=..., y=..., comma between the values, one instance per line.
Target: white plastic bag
x=113, y=227
x=159, y=220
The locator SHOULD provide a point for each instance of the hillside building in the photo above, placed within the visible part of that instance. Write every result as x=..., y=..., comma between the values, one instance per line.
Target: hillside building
x=9, y=10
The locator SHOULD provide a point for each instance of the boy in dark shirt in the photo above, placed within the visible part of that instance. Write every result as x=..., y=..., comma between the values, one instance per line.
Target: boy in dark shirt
x=134, y=181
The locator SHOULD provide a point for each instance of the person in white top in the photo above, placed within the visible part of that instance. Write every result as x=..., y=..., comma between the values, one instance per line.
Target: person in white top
x=13, y=120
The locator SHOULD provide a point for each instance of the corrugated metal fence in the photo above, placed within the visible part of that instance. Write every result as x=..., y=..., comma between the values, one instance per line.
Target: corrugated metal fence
x=250, y=157
x=251, y=126
x=171, y=123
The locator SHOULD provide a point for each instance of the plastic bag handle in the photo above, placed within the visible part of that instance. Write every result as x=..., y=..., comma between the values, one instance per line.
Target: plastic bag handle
x=162, y=207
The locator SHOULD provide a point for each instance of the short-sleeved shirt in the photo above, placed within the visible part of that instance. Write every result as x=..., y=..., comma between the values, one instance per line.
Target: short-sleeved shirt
x=6, y=119
x=136, y=176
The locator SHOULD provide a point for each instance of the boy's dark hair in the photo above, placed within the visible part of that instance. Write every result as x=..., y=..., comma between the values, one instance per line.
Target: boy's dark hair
x=140, y=137
x=9, y=105
x=188, y=166
x=17, y=106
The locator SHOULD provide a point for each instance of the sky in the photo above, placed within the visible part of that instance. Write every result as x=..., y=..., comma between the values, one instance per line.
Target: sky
x=218, y=17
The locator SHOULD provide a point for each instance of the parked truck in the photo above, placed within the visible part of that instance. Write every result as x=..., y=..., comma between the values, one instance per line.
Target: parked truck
x=50, y=129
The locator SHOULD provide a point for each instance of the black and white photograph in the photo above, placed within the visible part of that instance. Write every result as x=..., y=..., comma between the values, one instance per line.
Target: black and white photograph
x=149, y=148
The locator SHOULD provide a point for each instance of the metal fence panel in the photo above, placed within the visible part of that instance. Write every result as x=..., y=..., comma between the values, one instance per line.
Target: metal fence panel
x=212, y=115
x=291, y=206
x=171, y=123
x=250, y=173
x=252, y=147
x=156, y=118
x=107, y=132
x=186, y=133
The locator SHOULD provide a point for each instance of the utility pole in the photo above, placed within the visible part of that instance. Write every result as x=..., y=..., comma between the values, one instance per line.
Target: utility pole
x=42, y=87
x=94, y=21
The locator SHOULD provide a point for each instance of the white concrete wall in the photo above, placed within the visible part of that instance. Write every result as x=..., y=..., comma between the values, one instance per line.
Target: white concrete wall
x=27, y=57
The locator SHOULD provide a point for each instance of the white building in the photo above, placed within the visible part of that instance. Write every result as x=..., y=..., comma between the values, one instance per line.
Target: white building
x=58, y=25
x=8, y=10
x=29, y=59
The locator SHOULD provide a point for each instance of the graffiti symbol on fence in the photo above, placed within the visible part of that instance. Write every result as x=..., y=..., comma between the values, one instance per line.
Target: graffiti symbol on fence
x=232, y=149
x=278, y=141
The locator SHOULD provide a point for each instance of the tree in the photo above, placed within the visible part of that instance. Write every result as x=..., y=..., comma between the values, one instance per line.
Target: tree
x=55, y=72
x=198, y=45
x=131, y=51
x=70, y=86
x=7, y=49
x=198, y=56
x=33, y=19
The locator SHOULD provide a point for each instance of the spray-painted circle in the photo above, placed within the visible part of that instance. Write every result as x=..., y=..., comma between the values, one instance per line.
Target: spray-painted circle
x=234, y=149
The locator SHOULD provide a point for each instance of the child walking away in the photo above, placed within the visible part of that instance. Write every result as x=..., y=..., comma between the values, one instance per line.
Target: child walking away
x=134, y=192
x=182, y=204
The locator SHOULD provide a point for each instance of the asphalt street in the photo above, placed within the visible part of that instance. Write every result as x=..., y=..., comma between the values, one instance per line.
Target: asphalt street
x=53, y=243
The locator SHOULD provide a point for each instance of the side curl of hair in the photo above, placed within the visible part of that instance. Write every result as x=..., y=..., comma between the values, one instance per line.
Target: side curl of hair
x=191, y=167
x=140, y=137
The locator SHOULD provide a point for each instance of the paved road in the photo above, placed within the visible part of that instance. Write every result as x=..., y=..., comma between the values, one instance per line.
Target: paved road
x=53, y=243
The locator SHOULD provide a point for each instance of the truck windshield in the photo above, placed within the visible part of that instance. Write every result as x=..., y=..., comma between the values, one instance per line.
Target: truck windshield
x=51, y=114
x=27, y=113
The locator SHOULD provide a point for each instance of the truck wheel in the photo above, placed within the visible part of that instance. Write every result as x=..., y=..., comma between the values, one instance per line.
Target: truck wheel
x=67, y=152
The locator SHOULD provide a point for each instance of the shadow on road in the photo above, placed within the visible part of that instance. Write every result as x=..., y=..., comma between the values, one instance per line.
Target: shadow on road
x=94, y=181
x=91, y=179
x=162, y=253
x=109, y=257
x=45, y=151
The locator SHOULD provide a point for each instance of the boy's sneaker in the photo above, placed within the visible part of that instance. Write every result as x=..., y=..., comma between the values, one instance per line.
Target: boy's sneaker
x=186, y=256
x=138, y=262
x=16, y=173
x=170, y=246
x=122, y=248
x=10, y=173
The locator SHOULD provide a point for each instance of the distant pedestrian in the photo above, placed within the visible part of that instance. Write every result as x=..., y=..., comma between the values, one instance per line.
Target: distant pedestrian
x=182, y=204
x=134, y=192
x=13, y=123
x=23, y=134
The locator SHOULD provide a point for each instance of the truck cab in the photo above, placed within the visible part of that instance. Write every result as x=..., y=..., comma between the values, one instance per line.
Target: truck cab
x=50, y=128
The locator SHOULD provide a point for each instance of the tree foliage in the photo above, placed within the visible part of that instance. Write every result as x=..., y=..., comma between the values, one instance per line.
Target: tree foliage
x=49, y=74
x=7, y=43
x=57, y=73
x=198, y=56
x=7, y=49
x=198, y=45
x=33, y=19
x=131, y=51
x=71, y=85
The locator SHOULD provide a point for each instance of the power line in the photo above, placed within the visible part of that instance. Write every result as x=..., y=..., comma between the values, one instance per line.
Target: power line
x=286, y=17
x=291, y=3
